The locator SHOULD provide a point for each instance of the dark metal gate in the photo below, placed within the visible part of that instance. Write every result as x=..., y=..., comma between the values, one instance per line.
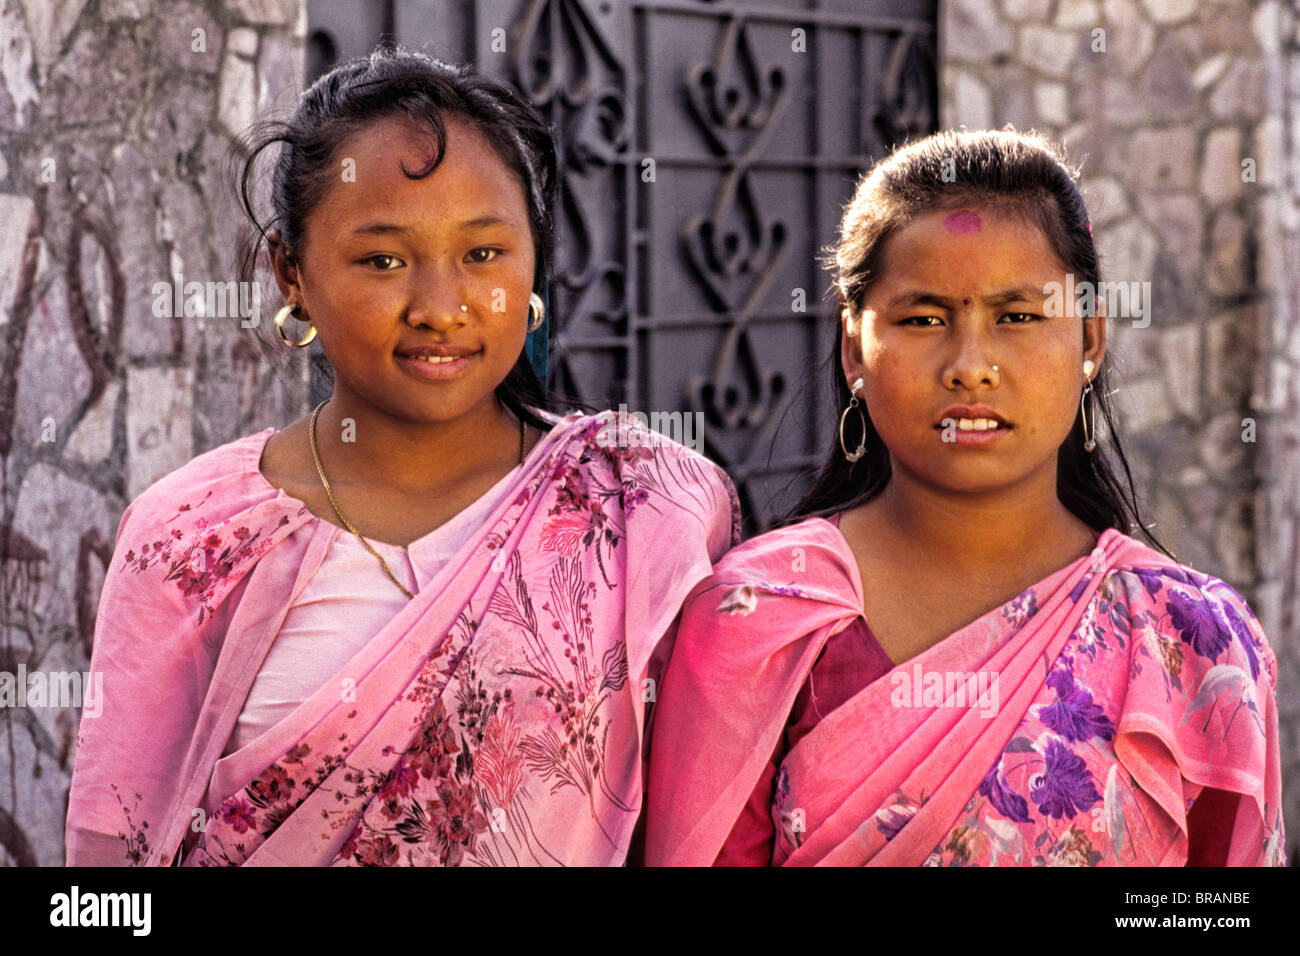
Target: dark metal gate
x=707, y=148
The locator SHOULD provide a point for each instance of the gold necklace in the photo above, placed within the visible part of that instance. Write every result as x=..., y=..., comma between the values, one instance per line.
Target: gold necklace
x=320, y=470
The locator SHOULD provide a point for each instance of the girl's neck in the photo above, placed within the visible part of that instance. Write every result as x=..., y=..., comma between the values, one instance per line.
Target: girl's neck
x=980, y=530
x=409, y=458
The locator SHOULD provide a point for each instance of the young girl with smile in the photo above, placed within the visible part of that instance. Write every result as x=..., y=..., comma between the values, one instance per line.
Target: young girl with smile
x=420, y=625
x=957, y=655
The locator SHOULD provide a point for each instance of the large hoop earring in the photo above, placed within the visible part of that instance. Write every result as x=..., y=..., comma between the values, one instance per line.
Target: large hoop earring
x=862, y=445
x=1086, y=411
x=283, y=314
x=537, y=309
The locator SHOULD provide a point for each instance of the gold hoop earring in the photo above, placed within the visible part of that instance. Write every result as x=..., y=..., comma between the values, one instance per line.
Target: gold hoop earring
x=862, y=445
x=283, y=314
x=536, y=309
x=1089, y=444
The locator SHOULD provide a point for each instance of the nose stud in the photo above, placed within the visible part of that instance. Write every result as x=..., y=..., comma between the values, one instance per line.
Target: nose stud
x=464, y=307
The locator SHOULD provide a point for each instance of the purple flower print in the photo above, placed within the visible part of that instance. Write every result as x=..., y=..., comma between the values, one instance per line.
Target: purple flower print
x=787, y=590
x=1191, y=618
x=1150, y=579
x=891, y=819
x=1021, y=608
x=1078, y=590
x=1064, y=789
x=633, y=498
x=239, y=815
x=1228, y=614
x=1005, y=800
x=1074, y=715
x=1207, y=621
x=1153, y=578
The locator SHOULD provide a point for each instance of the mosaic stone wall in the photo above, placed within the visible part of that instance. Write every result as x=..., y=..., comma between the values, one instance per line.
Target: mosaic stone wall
x=115, y=119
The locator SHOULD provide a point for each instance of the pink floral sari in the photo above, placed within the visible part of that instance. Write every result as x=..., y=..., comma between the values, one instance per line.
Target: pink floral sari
x=1074, y=725
x=498, y=718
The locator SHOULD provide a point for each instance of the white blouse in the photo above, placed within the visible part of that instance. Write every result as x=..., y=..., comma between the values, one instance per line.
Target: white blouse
x=346, y=603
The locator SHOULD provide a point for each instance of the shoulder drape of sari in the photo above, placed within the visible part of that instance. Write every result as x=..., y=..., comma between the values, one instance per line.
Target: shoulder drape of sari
x=1073, y=725
x=497, y=718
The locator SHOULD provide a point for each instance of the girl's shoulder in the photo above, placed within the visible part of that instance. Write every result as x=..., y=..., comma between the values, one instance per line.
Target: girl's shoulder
x=220, y=479
x=808, y=542
x=1208, y=616
x=237, y=459
x=1159, y=573
x=806, y=560
x=634, y=439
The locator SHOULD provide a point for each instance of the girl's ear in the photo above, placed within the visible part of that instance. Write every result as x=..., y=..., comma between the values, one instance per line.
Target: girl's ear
x=1094, y=336
x=850, y=343
x=850, y=322
x=284, y=267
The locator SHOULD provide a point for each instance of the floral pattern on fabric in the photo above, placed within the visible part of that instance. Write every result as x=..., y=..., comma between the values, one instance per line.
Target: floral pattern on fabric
x=514, y=709
x=201, y=558
x=1058, y=796
x=1121, y=687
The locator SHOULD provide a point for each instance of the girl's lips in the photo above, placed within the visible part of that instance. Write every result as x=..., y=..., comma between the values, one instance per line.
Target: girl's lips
x=951, y=434
x=439, y=370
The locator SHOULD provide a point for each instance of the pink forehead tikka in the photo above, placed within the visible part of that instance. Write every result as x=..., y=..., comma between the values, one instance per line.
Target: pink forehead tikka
x=962, y=222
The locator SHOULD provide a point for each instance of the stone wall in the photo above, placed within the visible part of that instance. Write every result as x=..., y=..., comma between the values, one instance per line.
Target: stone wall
x=115, y=118
x=1186, y=116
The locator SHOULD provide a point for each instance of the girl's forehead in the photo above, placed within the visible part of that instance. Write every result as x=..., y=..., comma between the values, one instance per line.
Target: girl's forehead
x=972, y=220
x=963, y=222
x=371, y=177
x=950, y=255
x=388, y=141
x=955, y=235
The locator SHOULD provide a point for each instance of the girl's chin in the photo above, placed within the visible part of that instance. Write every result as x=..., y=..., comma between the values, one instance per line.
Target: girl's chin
x=403, y=405
x=970, y=478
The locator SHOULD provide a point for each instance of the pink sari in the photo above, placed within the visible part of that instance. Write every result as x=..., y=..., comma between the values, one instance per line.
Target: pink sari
x=498, y=718
x=1074, y=725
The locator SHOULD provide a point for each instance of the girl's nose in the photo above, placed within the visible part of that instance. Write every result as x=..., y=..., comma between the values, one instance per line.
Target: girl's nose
x=438, y=300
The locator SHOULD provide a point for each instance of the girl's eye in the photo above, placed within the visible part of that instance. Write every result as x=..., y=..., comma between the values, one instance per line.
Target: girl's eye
x=385, y=256
x=483, y=254
x=922, y=321
x=1021, y=318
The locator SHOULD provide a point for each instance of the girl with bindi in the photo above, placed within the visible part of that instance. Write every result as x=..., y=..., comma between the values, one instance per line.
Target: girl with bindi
x=956, y=651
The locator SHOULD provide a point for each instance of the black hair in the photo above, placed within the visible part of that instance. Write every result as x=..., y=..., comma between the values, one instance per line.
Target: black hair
x=1019, y=174
x=394, y=81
